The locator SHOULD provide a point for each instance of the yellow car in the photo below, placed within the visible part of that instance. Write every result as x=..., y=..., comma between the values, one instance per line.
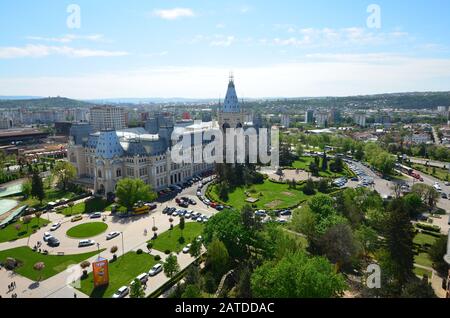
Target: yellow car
x=76, y=218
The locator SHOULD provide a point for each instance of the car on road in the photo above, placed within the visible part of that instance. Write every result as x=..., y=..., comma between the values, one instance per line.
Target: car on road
x=53, y=242
x=166, y=210
x=112, y=235
x=121, y=292
x=188, y=215
x=199, y=193
x=55, y=226
x=187, y=249
x=192, y=202
x=205, y=219
x=86, y=243
x=46, y=237
x=444, y=195
x=447, y=184
x=95, y=215
x=156, y=270
x=76, y=218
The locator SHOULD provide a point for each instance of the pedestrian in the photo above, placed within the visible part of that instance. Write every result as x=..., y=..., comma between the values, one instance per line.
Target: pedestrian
x=74, y=295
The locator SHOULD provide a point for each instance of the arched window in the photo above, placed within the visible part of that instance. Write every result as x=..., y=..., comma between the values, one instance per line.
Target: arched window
x=119, y=173
x=99, y=173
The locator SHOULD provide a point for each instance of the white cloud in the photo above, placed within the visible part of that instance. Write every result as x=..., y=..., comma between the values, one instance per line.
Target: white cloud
x=173, y=14
x=315, y=75
x=329, y=37
x=68, y=38
x=223, y=41
x=39, y=51
x=220, y=26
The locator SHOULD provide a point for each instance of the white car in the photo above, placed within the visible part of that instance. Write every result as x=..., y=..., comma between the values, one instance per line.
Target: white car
x=143, y=278
x=112, y=235
x=86, y=243
x=187, y=248
x=121, y=292
x=156, y=270
x=47, y=235
x=55, y=226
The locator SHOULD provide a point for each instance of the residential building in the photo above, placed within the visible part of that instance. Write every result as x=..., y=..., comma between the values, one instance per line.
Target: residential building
x=108, y=117
x=360, y=119
x=285, y=120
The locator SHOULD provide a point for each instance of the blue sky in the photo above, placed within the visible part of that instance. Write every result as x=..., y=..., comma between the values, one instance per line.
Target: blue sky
x=183, y=48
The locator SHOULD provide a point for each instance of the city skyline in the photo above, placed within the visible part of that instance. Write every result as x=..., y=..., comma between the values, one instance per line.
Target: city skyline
x=166, y=49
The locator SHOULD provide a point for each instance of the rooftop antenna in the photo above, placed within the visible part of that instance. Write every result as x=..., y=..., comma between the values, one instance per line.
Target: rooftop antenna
x=231, y=76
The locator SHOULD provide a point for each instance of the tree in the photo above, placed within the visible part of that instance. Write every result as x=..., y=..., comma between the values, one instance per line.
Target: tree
x=171, y=266
x=418, y=288
x=131, y=191
x=38, y=215
x=337, y=165
x=182, y=225
x=314, y=169
x=297, y=276
x=243, y=287
x=39, y=267
x=26, y=220
x=26, y=189
x=230, y=230
x=428, y=194
x=413, y=204
x=37, y=187
x=113, y=251
x=193, y=276
x=367, y=238
x=196, y=248
x=324, y=162
x=309, y=188
x=338, y=245
x=217, y=258
x=399, y=243
x=437, y=252
x=137, y=289
x=192, y=291
x=64, y=172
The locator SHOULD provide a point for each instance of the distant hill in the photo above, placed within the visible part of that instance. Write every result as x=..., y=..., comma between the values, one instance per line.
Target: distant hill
x=19, y=97
x=44, y=103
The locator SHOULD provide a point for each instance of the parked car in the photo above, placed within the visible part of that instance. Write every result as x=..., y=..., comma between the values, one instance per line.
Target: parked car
x=55, y=226
x=192, y=201
x=95, y=215
x=86, y=243
x=112, y=235
x=47, y=236
x=286, y=213
x=220, y=208
x=76, y=218
x=187, y=248
x=143, y=278
x=121, y=292
x=166, y=210
x=53, y=242
x=260, y=213
x=444, y=195
x=156, y=270
x=184, y=204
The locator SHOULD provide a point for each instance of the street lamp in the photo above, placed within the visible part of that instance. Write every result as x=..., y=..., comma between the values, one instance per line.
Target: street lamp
x=123, y=248
x=98, y=248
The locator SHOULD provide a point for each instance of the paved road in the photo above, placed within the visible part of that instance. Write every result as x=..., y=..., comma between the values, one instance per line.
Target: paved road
x=134, y=238
x=432, y=163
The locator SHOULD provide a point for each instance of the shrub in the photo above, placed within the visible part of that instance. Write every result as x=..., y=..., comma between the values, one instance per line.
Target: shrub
x=149, y=245
x=139, y=252
x=167, y=252
x=157, y=258
x=427, y=227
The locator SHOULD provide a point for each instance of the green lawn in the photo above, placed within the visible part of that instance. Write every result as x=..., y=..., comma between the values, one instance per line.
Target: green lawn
x=121, y=273
x=87, y=230
x=170, y=240
x=423, y=258
x=270, y=195
x=11, y=233
x=420, y=272
x=51, y=195
x=439, y=173
x=94, y=205
x=53, y=264
x=304, y=162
